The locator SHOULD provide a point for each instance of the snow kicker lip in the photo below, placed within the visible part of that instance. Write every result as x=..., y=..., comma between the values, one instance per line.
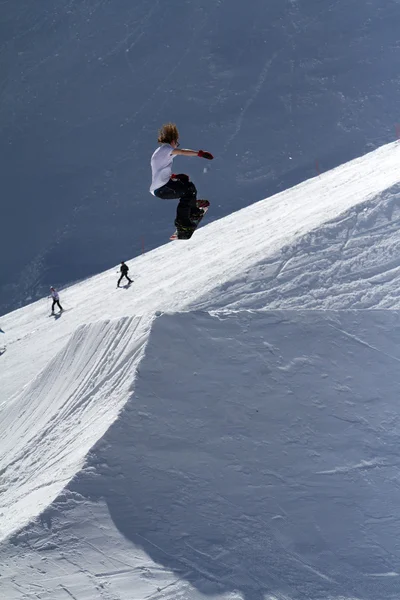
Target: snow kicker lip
x=50, y=426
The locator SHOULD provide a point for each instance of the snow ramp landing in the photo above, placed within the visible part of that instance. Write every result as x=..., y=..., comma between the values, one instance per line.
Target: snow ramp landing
x=258, y=459
x=48, y=428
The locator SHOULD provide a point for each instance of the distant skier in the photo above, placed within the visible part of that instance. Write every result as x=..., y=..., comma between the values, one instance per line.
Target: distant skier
x=166, y=185
x=2, y=348
x=56, y=300
x=124, y=273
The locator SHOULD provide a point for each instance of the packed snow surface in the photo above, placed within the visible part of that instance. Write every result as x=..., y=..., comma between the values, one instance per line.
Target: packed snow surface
x=209, y=431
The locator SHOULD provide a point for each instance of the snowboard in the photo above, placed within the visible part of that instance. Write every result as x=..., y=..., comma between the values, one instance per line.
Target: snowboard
x=58, y=314
x=126, y=286
x=186, y=234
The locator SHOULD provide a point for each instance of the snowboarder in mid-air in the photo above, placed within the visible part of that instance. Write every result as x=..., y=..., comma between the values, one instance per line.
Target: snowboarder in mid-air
x=56, y=300
x=167, y=186
x=124, y=273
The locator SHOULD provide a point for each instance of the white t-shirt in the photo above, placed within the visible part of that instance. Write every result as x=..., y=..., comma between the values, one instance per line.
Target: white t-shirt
x=161, y=166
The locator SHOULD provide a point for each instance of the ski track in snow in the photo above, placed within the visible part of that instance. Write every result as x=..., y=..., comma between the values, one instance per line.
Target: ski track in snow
x=349, y=263
x=50, y=426
x=256, y=452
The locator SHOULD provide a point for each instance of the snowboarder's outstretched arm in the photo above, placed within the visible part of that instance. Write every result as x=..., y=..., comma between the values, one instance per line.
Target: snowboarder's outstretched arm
x=187, y=152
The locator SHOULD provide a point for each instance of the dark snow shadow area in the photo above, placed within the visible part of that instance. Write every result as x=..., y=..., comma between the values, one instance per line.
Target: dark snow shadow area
x=259, y=453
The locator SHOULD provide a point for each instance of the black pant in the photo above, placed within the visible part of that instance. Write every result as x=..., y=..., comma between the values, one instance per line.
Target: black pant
x=187, y=194
x=122, y=276
x=58, y=304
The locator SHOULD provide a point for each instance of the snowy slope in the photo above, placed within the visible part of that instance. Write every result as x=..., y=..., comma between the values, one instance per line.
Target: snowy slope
x=48, y=427
x=268, y=87
x=222, y=254
x=256, y=459
x=255, y=454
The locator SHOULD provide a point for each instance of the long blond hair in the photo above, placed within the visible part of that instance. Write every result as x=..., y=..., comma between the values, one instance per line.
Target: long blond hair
x=168, y=133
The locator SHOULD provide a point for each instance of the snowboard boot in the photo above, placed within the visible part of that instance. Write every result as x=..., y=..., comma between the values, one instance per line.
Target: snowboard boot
x=184, y=229
x=196, y=215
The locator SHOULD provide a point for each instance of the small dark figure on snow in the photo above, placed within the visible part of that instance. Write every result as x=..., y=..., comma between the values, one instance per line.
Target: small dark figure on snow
x=124, y=273
x=56, y=300
x=2, y=348
x=167, y=186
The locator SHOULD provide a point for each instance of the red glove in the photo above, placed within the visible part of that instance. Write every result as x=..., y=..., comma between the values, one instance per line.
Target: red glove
x=204, y=154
